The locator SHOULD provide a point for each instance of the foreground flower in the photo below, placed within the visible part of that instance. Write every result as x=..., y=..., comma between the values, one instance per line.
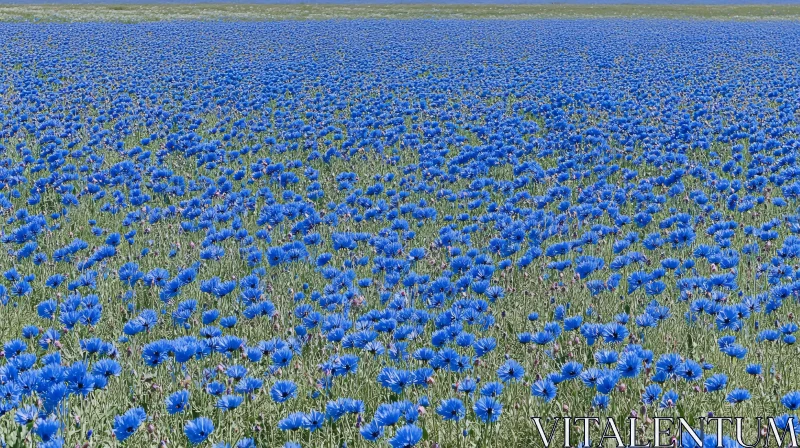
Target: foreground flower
x=125, y=425
x=406, y=437
x=488, y=409
x=451, y=409
x=198, y=430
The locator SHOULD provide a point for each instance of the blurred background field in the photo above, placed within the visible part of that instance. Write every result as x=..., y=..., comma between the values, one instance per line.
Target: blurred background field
x=129, y=12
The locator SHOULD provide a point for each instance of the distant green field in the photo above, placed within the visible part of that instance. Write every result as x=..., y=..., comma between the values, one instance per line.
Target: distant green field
x=208, y=11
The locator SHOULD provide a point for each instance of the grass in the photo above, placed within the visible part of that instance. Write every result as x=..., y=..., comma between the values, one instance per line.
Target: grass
x=134, y=13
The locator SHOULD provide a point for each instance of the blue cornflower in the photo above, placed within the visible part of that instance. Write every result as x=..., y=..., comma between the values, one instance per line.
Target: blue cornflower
x=488, y=409
x=600, y=401
x=156, y=352
x=607, y=383
x=753, y=369
x=737, y=396
x=544, y=389
x=614, y=333
x=313, y=420
x=198, y=430
x=372, y=431
x=26, y=415
x=229, y=402
x=791, y=400
x=651, y=394
x=283, y=390
x=511, y=370
x=406, y=437
x=292, y=422
x=125, y=425
x=606, y=357
x=716, y=382
x=387, y=414
x=669, y=400
x=177, y=402
x=571, y=370
x=690, y=370
x=451, y=409
x=48, y=429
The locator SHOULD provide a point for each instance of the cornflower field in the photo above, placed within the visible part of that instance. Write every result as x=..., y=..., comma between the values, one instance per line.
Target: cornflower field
x=405, y=233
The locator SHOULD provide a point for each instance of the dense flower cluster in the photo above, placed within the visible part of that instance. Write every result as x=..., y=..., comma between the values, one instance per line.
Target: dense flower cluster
x=393, y=232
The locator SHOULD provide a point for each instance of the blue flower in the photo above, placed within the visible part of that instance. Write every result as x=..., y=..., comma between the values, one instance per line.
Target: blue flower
x=451, y=409
x=292, y=422
x=607, y=383
x=511, y=370
x=125, y=425
x=313, y=420
x=282, y=391
x=669, y=400
x=198, y=430
x=47, y=429
x=487, y=409
x=177, y=401
x=155, y=353
x=651, y=394
x=690, y=370
x=600, y=401
x=493, y=389
x=791, y=400
x=614, y=333
x=245, y=443
x=406, y=437
x=716, y=382
x=571, y=370
x=372, y=431
x=26, y=415
x=737, y=396
x=544, y=389
x=229, y=402
x=753, y=369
